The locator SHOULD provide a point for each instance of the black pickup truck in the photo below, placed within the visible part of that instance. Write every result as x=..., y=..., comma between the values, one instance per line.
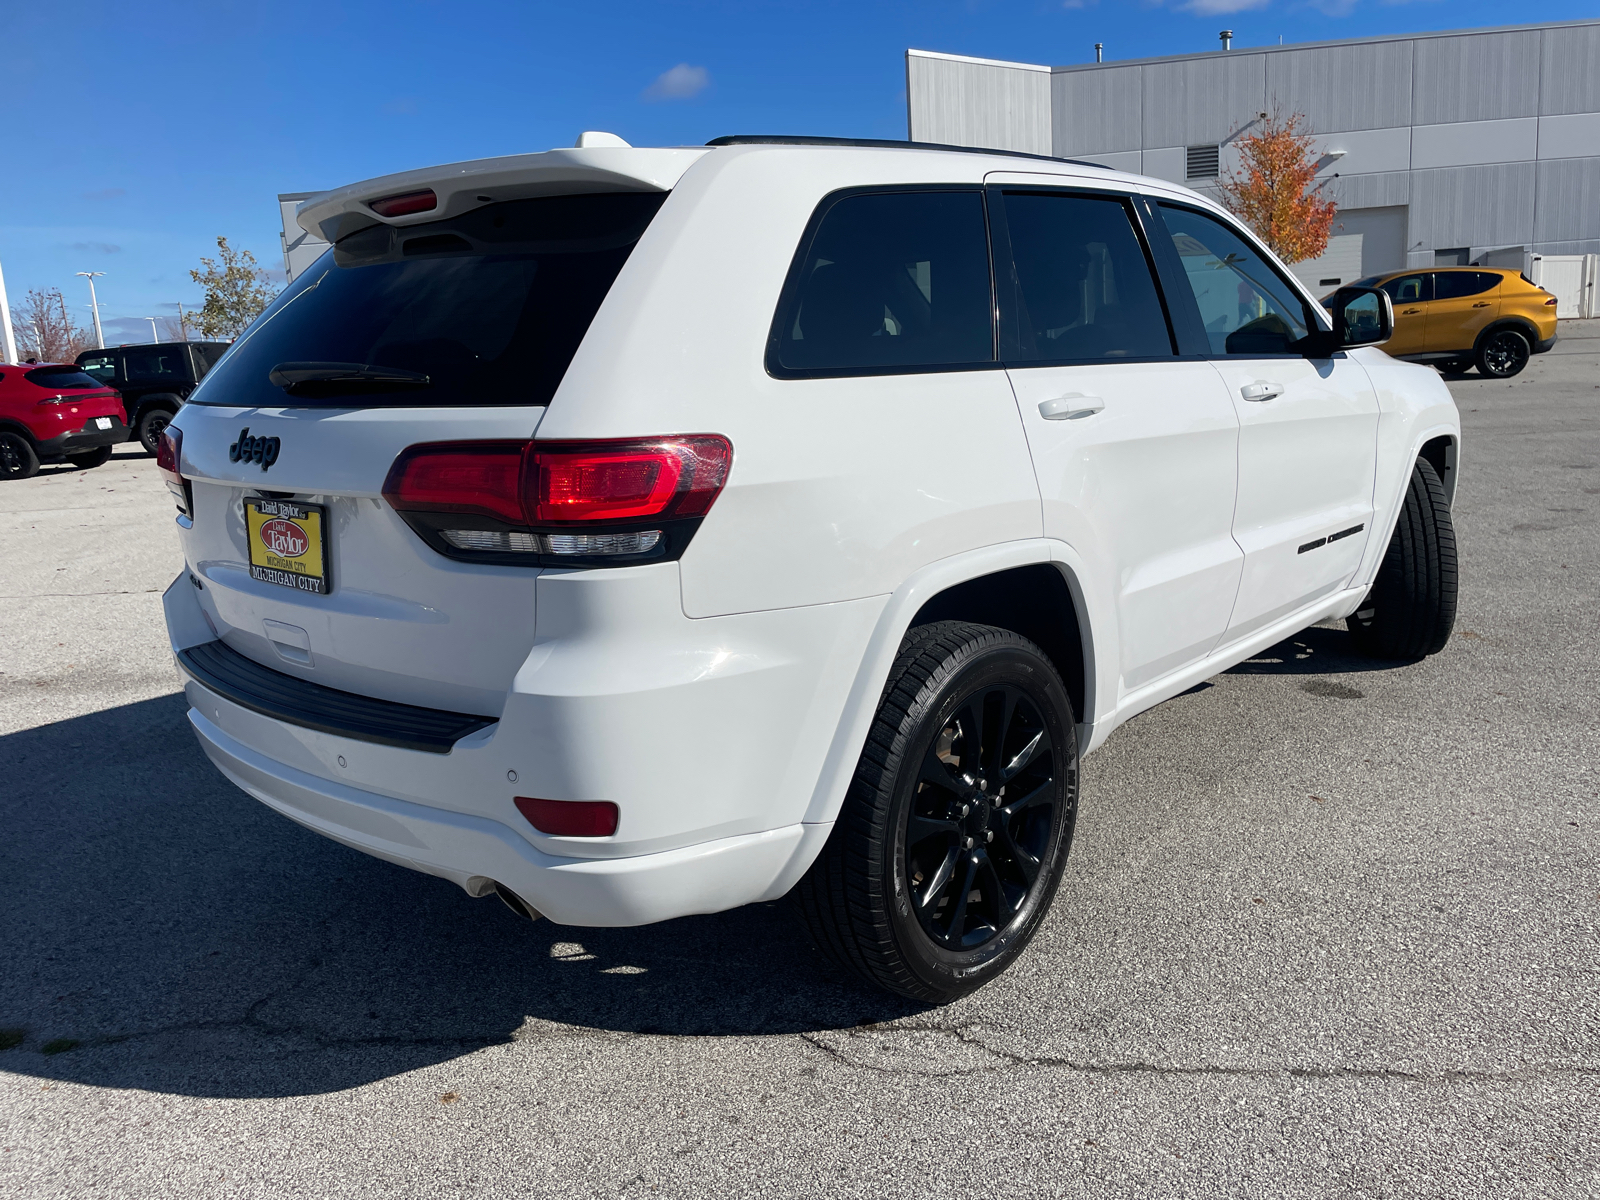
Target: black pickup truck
x=154, y=380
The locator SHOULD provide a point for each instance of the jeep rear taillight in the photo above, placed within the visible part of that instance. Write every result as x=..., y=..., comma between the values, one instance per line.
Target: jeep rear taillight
x=169, y=453
x=594, y=503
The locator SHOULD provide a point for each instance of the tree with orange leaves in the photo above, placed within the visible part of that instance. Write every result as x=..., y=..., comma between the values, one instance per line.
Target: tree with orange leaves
x=1274, y=192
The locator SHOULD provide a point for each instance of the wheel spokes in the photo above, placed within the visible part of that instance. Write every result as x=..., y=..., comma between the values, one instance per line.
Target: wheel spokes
x=1026, y=864
x=957, y=924
x=939, y=880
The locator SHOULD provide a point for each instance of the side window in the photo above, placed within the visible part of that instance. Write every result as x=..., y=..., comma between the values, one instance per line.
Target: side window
x=891, y=281
x=102, y=366
x=1410, y=289
x=1245, y=305
x=1452, y=285
x=1082, y=287
x=159, y=364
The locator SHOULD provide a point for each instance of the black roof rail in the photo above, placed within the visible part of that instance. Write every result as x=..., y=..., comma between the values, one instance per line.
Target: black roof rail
x=779, y=139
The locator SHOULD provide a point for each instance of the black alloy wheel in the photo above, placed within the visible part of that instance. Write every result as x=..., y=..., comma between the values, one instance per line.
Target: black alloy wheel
x=17, y=459
x=151, y=426
x=956, y=827
x=977, y=830
x=1503, y=354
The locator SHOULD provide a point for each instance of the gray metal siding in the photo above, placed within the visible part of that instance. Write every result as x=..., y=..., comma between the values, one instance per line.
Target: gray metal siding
x=978, y=104
x=1478, y=77
x=1203, y=99
x=1383, y=189
x=1569, y=200
x=1570, y=79
x=1095, y=112
x=1342, y=88
x=1472, y=206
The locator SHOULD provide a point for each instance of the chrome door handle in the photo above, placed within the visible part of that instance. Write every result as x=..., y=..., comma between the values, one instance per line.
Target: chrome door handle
x=1071, y=407
x=1261, y=390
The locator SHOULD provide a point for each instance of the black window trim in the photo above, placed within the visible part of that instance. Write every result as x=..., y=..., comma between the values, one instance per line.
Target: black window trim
x=792, y=282
x=1001, y=253
x=1315, y=315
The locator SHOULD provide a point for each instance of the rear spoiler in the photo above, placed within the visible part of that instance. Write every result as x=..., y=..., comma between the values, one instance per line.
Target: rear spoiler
x=462, y=186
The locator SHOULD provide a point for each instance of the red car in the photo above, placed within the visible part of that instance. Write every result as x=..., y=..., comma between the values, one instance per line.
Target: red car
x=50, y=412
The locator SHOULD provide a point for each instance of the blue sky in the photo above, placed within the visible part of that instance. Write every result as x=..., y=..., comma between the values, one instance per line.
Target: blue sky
x=140, y=132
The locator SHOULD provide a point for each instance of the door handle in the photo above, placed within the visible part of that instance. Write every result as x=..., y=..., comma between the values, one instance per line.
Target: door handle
x=1071, y=407
x=1481, y=304
x=1261, y=390
x=1409, y=312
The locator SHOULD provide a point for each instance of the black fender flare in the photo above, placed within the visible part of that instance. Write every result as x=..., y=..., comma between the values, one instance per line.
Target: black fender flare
x=166, y=401
x=1524, y=327
x=9, y=426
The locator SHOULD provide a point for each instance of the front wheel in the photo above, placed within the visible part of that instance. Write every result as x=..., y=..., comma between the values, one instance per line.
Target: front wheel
x=957, y=824
x=150, y=428
x=1411, y=608
x=1503, y=354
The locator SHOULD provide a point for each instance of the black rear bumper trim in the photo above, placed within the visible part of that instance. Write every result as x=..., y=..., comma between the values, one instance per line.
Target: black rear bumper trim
x=312, y=706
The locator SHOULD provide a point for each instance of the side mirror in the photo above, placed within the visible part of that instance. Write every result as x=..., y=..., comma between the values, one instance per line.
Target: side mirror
x=1362, y=316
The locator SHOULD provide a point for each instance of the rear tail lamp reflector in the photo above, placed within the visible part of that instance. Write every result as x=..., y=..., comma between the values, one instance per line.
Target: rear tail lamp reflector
x=169, y=452
x=405, y=203
x=570, y=818
x=1552, y=300
x=573, y=499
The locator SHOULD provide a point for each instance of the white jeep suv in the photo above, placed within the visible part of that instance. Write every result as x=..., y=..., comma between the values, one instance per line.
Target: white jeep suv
x=640, y=532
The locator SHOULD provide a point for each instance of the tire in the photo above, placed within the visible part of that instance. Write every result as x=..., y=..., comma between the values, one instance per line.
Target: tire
x=17, y=459
x=1503, y=354
x=1411, y=608
x=151, y=423
x=92, y=458
x=883, y=898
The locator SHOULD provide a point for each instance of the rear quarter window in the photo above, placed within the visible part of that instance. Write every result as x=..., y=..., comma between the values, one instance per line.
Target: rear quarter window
x=888, y=282
x=486, y=308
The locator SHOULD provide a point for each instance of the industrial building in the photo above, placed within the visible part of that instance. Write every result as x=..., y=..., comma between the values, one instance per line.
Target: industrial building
x=1473, y=147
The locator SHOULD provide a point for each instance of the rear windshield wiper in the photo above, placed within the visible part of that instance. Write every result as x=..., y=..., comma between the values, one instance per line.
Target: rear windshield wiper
x=340, y=379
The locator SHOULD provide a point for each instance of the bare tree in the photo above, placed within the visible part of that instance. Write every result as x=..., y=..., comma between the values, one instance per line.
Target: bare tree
x=46, y=331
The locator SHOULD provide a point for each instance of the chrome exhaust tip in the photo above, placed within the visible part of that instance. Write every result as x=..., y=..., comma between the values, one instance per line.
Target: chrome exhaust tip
x=515, y=902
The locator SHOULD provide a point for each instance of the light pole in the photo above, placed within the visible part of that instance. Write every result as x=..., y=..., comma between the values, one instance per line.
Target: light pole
x=154, y=336
x=94, y=303
x=8, y=337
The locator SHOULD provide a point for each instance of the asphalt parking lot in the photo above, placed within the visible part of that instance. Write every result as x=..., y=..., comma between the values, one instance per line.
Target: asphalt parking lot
x=1328, y=929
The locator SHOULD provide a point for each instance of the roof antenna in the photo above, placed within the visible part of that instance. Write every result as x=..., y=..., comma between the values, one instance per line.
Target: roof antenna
x=1098, y=48
x=1227, y=39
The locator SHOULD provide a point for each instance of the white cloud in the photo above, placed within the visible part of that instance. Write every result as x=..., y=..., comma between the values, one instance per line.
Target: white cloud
x=679, y=83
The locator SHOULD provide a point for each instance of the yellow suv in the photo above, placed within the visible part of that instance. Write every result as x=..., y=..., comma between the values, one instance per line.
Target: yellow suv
x=1455, y=317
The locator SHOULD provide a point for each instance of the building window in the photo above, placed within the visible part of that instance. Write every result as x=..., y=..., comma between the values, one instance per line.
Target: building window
x=1204, y=162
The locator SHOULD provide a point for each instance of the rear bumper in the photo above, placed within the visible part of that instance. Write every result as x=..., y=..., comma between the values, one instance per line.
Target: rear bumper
x=85, y=439
x=477, y=852
x=1541, y=347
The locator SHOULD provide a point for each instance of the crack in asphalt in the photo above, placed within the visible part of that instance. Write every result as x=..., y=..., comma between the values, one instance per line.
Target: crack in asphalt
x=1010, y=1060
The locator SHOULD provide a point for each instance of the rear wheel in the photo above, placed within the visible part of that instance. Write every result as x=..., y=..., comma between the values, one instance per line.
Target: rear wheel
x=91, y=459
x=1411, y=608
x=1503, y=354
x=150, y=427
x=956, y=827
x=17, y=459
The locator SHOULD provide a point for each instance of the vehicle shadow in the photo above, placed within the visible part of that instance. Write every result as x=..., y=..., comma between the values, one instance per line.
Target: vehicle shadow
x=164, y=931
x=1320, y=650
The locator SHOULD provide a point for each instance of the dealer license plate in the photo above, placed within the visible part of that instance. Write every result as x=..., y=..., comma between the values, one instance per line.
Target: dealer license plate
x=287, y=543
x=102, y=422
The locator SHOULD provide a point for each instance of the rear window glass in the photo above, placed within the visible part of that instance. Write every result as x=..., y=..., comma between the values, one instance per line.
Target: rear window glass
x=485, y=308
x=890, y=282
x=61, y=378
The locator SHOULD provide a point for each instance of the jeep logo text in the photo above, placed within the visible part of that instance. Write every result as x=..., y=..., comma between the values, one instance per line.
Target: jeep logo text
x=263, y=450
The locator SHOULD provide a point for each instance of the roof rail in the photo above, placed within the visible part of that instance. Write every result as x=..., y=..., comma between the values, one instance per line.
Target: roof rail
x=779, y=139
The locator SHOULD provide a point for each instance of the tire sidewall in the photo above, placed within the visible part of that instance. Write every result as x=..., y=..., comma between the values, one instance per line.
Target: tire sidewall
x=951, y=972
